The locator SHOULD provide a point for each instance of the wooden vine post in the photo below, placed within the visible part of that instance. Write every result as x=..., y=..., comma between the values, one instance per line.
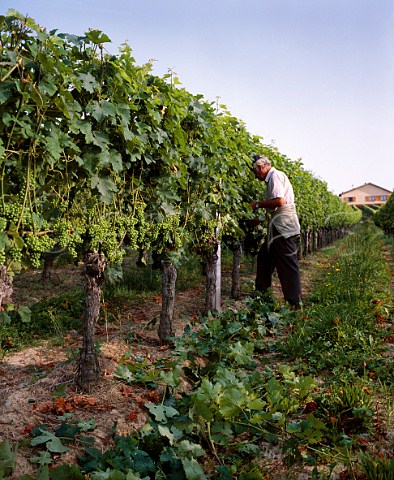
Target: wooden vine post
x=89, y=366
x=214, y=274
x=211, y=259
x=235, y=274
x=218, y=277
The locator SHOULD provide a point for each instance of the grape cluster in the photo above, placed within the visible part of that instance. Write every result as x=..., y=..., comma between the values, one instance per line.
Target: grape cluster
x=15, y=253
x=36, y=245
x=104, y=234
x=142, y=226
x=126, y=230
x=15, y=213
x=68, y=237
x=204, y=235
x=165, y=235
x=23, y=247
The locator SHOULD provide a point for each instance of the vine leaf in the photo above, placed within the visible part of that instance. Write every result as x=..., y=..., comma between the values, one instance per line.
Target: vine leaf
x=161, y=412
x=44, y=458
x=25, y=314
x=97, y=37
x=193, y=470
x=88, y=81
x=106, y=188
x=52, y=443
x=6, y=458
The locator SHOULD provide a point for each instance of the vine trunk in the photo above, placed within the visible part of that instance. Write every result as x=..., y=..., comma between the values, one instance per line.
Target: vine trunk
x=169, y=274
x=89, y=367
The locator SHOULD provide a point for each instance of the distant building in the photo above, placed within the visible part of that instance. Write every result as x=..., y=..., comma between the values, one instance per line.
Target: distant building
x=367, y=194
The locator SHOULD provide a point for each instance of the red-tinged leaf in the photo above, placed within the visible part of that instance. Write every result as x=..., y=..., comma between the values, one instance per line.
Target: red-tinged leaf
x=133, y=415
x=141, y=402
x=344, y=475
x=7, y=343
x=126, y=391
x=26, y=431
x=310, y=407
x=153, y=397
x=61, y=406
x=45, y=407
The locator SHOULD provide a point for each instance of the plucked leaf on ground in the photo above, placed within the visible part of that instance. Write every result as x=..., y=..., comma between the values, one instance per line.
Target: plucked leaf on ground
x=6, y=459
x=66, y=472
x=44, y=458
x=193, y=470
x=25, y=314
x=161, y=412
x=231, y=402
x=185, y=446
x=52, y=443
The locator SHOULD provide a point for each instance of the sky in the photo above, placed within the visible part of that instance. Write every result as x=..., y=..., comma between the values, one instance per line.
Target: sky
x=314, y=78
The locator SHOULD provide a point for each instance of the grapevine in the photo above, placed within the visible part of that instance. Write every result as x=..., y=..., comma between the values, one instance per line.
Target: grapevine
x=71, y=143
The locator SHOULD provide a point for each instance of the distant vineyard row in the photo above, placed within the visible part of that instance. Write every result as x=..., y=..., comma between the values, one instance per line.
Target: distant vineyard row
x=384, y=217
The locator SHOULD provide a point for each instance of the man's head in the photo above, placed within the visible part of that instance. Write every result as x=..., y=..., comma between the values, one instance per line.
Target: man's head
x=261, y=166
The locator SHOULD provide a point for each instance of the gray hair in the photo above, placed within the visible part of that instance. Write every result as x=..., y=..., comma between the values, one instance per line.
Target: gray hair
x=261, y=162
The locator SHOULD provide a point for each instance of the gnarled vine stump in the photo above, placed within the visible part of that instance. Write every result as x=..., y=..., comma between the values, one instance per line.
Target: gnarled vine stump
x=89, y=366
x=169, y=275
x=6, y=288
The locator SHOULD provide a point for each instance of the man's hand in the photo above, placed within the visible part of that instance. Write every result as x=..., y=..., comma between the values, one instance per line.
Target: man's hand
x=253, y=223
x=254, y=205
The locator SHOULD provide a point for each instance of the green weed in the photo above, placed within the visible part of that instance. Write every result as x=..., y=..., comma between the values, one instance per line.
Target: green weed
x=377, y=468
x=347, y=406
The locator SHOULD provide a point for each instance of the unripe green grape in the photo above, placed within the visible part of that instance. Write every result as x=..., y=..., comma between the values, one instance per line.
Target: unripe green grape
x=15, y=253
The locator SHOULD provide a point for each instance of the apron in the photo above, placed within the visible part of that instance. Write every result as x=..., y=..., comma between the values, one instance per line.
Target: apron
x=285, y=221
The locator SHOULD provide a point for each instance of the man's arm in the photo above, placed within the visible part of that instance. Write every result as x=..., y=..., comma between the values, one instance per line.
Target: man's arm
x=272, y=203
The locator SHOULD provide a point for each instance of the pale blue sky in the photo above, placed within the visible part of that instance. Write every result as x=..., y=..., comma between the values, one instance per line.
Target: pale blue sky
x=313, y=77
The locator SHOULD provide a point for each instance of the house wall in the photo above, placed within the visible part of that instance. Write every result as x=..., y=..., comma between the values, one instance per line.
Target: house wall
x=366, y=195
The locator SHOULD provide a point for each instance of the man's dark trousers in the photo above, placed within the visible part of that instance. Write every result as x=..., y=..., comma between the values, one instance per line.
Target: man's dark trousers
x=282, y=254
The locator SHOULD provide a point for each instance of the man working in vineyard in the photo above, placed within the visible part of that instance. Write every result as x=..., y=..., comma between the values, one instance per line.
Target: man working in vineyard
x=280, y=248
